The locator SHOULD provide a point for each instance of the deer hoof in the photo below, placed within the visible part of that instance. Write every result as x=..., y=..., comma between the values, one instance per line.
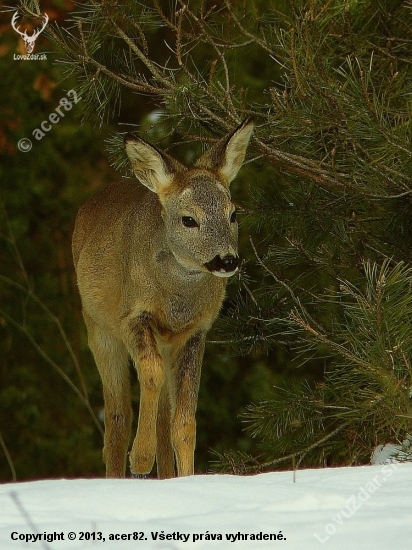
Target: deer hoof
x=137, y=476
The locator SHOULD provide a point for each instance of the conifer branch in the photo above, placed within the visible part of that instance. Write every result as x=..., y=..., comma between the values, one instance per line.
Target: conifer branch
x=302, y=453
x=146, y=61
x=255, y=39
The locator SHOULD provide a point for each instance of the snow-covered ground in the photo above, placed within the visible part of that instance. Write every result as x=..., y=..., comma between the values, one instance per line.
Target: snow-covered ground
x=362, y=508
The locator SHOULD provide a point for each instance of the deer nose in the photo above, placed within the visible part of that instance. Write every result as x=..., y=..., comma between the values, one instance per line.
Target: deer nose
x=227, y=264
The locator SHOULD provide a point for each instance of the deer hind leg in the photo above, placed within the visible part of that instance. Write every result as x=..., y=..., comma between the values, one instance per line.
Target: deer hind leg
x=186, y=378
x=112, y=360
x=150, y=371
x=164, y=450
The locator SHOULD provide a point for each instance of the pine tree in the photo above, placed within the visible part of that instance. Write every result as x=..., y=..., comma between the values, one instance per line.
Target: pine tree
x=329, y=210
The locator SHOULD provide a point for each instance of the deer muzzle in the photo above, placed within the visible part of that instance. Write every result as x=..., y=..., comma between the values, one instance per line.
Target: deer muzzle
x=223, y=267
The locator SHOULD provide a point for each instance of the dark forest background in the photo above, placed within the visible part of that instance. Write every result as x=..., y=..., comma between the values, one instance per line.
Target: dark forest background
x=309, y=363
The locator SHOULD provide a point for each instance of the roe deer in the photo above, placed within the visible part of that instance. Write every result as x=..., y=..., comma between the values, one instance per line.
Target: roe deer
x=152, y=259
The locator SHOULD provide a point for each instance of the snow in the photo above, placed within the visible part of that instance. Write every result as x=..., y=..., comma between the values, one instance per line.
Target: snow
x=368, y=507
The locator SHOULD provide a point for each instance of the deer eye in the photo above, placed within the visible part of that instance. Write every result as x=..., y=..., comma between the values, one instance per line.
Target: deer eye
x=187, y=221
x=233, y=217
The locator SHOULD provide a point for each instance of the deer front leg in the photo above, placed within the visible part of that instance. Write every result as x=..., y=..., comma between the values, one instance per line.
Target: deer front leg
x=164, y=451
x=150, y=371
x=186, y=376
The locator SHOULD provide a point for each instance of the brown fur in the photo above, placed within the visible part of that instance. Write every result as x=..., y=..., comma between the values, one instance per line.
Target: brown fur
x=150, y=292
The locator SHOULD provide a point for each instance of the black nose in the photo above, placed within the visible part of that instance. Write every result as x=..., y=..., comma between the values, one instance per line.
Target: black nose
x=228, y=263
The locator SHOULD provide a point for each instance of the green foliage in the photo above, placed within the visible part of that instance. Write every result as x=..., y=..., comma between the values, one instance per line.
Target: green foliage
x=48, y=404
x=365, y=394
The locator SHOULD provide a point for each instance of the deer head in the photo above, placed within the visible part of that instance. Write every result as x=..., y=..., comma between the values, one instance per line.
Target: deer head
x=29, y=41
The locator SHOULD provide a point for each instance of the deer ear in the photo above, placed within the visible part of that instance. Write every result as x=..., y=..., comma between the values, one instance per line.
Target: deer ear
x=152, y=168
x=227, y=156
